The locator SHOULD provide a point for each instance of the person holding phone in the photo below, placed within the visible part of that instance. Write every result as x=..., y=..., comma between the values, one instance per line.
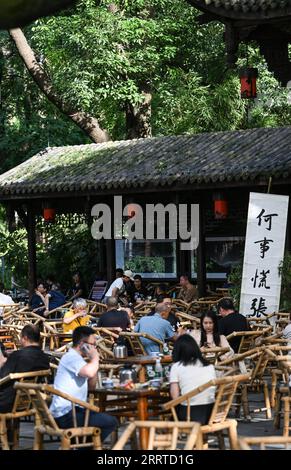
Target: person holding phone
x=76, y=376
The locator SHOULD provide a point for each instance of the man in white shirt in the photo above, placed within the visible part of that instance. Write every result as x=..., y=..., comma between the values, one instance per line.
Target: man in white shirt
x=117, y=286
x=74, y=377
x=4, y=299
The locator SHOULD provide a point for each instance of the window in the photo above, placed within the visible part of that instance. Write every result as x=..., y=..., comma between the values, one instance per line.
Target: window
x=222, y=253
x=149, y=258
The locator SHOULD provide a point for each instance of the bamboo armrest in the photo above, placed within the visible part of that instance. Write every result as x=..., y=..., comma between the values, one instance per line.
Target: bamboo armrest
x=201, y=388
x=24, y=375
x=235, y=334
x=49, y=389
x=59, y=308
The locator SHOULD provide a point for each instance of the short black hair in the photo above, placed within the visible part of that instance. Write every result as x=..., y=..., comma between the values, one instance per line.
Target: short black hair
x=31, y=332
x=162, y=297
x=119, y=270
x=80, y=333
x=187, y=351
x=225, y=303
x=162, y=287
x=41, y=281
x=137, y=276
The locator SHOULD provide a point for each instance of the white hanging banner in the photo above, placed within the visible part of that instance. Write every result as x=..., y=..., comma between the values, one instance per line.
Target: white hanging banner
x=264, y=251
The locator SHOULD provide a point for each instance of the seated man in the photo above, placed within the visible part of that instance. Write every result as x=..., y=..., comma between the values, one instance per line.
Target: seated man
x=75, y=376
x=188, y=293
x=166, y=300
x=230, y=321
x=28, y=359
x=157, y=326
x=114, y=317
x=77, y=316
x=139, y=291
x=37, y=301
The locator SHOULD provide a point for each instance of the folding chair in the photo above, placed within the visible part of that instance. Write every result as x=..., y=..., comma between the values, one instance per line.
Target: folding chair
x=98, y=290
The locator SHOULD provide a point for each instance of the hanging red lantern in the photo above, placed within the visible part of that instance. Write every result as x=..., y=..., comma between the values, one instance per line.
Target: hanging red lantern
x=49, y=215
x=248, y=82
x=220, y=206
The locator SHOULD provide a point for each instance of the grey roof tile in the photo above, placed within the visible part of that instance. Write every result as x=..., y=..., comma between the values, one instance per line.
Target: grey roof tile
x=202, y=158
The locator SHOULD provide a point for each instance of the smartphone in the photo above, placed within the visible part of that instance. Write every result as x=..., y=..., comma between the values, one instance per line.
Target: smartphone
x=85, y=348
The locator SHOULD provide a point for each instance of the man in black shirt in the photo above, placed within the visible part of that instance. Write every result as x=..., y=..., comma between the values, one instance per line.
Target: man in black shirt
x=231, y=321
x=37, y=301
x=112, y=317
x=28, y=359
x=139, y=292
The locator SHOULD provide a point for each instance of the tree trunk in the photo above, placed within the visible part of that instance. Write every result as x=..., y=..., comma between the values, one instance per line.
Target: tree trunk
x=138, y=117
x=87, y=123
x=15, y=13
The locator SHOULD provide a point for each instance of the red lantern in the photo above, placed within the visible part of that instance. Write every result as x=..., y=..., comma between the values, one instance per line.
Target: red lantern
x=132, y=210
x=220, y=206
x=49, y=215
x=248, y=82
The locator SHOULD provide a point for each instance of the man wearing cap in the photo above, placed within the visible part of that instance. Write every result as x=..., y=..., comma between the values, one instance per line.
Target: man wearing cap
x=119, y=286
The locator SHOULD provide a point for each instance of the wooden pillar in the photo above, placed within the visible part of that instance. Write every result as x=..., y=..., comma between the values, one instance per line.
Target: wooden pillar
x=110, y=259
x=110, y=249
x=31, y=237
x=201, y=253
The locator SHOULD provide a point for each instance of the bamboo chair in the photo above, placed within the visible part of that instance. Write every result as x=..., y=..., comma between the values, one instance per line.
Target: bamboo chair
x=287, y=426
x=136, y=345
x=187, y=317
x=72, y=438
x=264, y=443
x=213, y=355
x=248, y=339
x=163, y=435
x=22, y=406
x=218, y=421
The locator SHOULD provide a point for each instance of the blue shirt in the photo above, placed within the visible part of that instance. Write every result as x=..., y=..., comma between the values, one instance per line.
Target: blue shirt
x=67, y=380
x=155, y=326
x=56, y=299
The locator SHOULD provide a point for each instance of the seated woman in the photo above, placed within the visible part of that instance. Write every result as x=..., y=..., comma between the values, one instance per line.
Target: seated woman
x=209, y=337
x=77, y=316
x=189, y=371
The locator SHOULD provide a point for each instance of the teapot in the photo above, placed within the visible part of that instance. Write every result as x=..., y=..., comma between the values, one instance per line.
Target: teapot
x=127, y=373
x=120, y=351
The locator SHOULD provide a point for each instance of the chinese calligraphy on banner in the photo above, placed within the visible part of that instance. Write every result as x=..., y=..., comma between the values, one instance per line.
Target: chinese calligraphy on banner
x=264, y=251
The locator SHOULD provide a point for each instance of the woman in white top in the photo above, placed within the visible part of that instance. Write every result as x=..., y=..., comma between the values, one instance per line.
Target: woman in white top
x=209, y=337
x=190, y=370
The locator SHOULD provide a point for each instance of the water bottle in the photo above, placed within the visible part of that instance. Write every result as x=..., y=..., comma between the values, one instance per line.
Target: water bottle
x=158, y=369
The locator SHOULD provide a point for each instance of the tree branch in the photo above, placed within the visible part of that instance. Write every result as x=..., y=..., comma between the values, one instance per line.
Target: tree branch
x=84, y=121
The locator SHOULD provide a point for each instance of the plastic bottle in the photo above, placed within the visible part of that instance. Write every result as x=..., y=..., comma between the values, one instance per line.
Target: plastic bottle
x=158, y=369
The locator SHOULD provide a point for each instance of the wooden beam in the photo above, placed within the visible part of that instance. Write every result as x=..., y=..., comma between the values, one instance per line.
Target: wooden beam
x=201, y=253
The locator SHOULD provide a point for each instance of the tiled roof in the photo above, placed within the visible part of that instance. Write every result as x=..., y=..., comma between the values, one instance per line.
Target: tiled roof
x=188, y=159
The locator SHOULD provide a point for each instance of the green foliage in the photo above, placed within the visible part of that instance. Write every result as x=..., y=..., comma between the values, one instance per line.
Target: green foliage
x=143, y=264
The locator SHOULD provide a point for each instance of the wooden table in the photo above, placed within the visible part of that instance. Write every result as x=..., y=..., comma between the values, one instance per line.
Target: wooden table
x=142, y=361
x=127, y=399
